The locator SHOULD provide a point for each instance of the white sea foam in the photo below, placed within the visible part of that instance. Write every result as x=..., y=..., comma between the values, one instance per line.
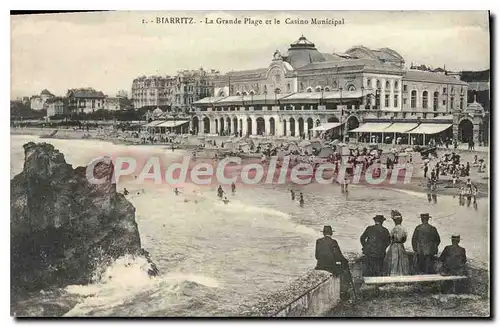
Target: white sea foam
x=126, y=279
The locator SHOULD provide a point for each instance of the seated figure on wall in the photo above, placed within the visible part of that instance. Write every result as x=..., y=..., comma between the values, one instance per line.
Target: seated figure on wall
x=330, y=258
x=454, y=259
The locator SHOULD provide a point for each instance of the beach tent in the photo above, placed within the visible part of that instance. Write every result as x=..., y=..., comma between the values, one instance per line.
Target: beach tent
x=344, y=150
x=228, y=144
x=244, y=146
x=304, y=144
x=316, y=144
x=281, y=154
x=293, y=147
x=325, y=152
x=306, y=147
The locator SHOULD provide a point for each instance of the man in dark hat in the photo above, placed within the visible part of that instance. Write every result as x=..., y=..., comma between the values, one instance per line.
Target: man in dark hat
x=454, y=259
x=425, y=242
x=375, y=240
x=328, y=253
x=331, y=259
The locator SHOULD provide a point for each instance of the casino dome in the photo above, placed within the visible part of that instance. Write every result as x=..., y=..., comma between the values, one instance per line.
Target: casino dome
x=475, y=106
x=303, y=52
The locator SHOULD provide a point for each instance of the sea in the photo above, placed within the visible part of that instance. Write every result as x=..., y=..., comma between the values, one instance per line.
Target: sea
x=213, y=257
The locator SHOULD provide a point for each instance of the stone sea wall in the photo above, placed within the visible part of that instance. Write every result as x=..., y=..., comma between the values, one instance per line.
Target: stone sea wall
x=317, y=293
x=313, y=294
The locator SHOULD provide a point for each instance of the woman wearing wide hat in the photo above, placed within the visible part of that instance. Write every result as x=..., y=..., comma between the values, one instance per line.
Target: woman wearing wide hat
x=396, y=261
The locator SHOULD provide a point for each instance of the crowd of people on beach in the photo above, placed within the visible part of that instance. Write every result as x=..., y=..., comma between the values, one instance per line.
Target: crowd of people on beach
x=450, y=165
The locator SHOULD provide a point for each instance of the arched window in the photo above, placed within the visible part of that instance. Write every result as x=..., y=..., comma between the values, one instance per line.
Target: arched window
x=288, y=88
x=252, y=92
x=351, y=88
x=265, y=89
x=327, y=89
x=462, y=102
x=452, y=102
x=452, y=91
x=378, y=84
x=387, y=85
x=334, y=85
x=396, y=85
x=244, y=93
x=413, y=103
x=318, y=88
x=238, y=93
x=435, y=101
x=301, y=87
x=425, y=99
x=309, y=89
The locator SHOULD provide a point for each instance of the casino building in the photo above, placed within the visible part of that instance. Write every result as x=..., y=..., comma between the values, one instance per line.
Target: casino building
x=360, y=91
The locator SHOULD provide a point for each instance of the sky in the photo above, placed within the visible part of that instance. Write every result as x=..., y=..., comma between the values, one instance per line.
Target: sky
x=107, y=50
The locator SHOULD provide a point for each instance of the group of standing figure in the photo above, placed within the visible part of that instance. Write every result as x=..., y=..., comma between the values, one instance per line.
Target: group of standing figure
x=395, y=262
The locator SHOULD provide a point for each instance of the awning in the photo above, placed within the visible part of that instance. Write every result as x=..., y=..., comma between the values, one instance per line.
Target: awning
x=371, y=128
x=153, y=123
x=346, y=94
x=446, y=117
x=326, y=127
x=208, y=100
x=172, y=123
x=249, y=99
x=430, y=128
x=400, y=128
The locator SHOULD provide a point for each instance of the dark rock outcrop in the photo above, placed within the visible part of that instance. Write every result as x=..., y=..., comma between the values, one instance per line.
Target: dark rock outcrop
x=64, y=228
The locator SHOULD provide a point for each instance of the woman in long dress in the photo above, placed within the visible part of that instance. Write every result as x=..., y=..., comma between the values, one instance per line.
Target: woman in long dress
x=396, y=261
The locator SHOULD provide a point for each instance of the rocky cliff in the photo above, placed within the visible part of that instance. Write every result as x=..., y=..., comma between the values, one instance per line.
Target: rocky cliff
x=63, y=228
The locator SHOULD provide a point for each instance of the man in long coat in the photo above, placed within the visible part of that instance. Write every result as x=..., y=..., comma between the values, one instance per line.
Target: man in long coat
x=454, y=261
x=375, y=240
x=425, y=242
x=454, y=258
x=328, y=253
x=331, y=259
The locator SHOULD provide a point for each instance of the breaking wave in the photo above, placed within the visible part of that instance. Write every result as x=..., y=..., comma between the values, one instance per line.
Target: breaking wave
x=127, y=280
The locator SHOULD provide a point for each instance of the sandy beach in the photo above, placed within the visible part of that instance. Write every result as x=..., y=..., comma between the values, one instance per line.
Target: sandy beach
x=417, y=184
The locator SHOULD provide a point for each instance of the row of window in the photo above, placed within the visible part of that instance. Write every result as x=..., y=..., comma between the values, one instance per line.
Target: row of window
x=350, y=87
x=452, y=90
x=152, y=94
x=378, y=84
x=425, y=100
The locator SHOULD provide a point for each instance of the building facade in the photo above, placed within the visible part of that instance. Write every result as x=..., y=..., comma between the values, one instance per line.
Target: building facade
x=56, y=106
x=38, y=102
x=192, y=85
x=85, y=100
x=152, y=91
x=306, y=88
x=178, y=91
